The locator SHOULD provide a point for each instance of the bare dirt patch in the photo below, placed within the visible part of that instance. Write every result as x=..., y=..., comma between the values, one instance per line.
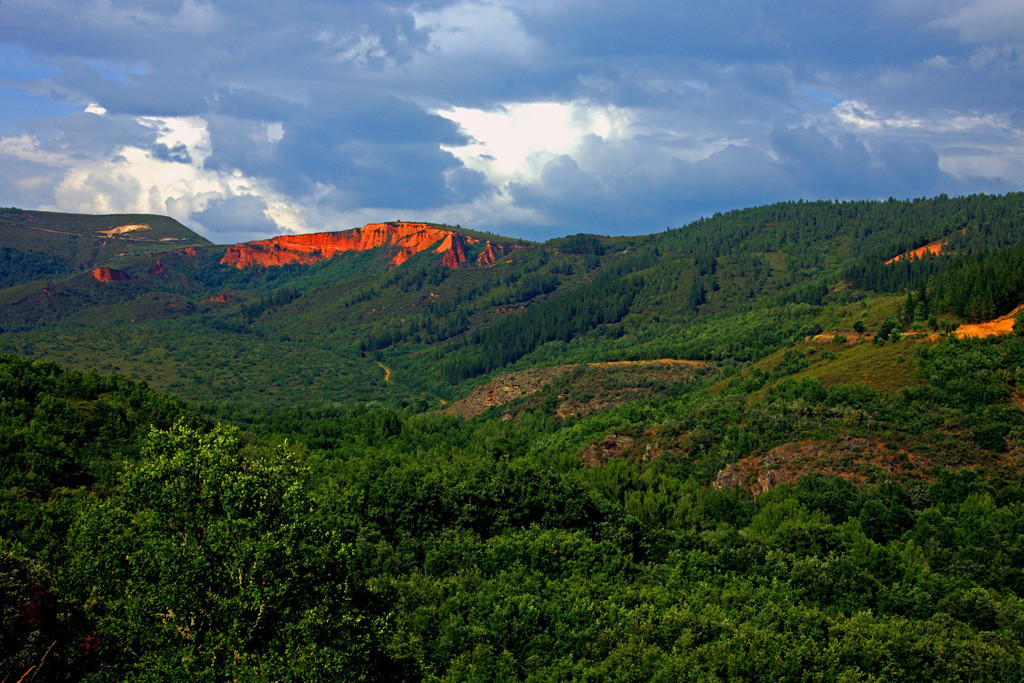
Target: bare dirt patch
x=1001, y=325
x=122, y=229
x=591, y=387
x=850, y=458
x=933, y=249
x=660, y=362
x=505, y=389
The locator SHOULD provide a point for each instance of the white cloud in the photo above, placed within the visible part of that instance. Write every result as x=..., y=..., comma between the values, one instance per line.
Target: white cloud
x=27, y=148
x=478, y=30
x=135, y=180
x=513, y=142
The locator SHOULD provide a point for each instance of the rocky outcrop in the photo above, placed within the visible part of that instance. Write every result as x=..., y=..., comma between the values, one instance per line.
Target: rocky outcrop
x=159, y=269
x=596, y=386
x=489, y=255
x=453, y=246
x=110, y=275
x=505, y=389
x=223, y=298
x=611, y=447
x=402, y=256
x=406, y=238
x=850, y=458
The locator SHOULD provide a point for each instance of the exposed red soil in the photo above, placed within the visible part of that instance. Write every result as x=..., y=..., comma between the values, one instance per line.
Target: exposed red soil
x=223, y=298
x=659, y=362
x=933, y=249
x=1001, y=325
x=159, y=269
x=187, y=251
x=402, y=256
x=611, y=447
x=492, y=252
x=505, y=389
x=453, y=247
x=408, y=238
x=847, y=458
x=110, y=275
x=514, y=385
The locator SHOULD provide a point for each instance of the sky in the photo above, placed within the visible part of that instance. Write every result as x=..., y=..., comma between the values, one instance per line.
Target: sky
x=528, y=118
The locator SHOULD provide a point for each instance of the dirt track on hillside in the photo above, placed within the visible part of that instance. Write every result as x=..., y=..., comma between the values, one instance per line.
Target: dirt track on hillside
x=662, y=361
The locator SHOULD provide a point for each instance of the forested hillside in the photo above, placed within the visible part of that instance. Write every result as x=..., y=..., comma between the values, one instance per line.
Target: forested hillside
x=759, y=447
x=356, y=542
x=734, y=286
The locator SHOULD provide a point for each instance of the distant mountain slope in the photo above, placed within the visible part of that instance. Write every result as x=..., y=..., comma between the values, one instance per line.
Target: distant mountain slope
x=44, y=245
x=83, y=242
x=319, y=312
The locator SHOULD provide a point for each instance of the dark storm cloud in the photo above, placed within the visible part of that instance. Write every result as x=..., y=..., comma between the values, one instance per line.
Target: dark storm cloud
x=914, y=164
x=818, y=162
x=177, y=153
x=86, y=136
x=849, y=33
x=652, y=197
x=378, y=150
x=236, y=219
x=169, y=93
x=238, y=64
x=805, y=163
x=331, y=104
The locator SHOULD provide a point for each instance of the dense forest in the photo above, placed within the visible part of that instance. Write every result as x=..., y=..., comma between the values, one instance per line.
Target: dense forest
x=144, y=540
x=752, y=448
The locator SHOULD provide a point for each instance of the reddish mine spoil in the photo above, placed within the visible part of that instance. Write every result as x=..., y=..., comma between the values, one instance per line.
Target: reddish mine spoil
x=110, y=275
x=409, y=238
x=223, y=298
x=453, y=249
x=933, y=249
x=187, y=251
x=1001, y=325
x=489, y=256
x=846, y=458
x=159, y=268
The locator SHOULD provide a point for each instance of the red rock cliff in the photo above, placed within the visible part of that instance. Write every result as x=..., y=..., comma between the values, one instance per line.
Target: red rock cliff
x=110, y=275
x=491, y=253
x=406, y=238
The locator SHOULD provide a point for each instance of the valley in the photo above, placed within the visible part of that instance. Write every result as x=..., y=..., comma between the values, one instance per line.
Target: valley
x=778, y=442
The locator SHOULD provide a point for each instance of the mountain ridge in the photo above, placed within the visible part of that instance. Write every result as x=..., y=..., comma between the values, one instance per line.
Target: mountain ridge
x=731, y=288
x=402, y=239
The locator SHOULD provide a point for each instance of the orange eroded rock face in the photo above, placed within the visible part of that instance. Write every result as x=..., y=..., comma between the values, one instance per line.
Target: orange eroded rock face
x=159, y=269
x=454, y=248
x=110, y=275
x=223, y=298
x=1001, y=325
x=401, y=257
x=933, y=249
x=409, y=238
x=490, y=254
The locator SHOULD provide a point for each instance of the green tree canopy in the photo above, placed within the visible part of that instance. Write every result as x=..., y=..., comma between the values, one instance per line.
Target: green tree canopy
x=200, y=566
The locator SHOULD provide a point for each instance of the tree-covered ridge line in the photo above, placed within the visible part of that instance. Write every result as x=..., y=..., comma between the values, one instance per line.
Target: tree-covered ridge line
x=732, y=287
